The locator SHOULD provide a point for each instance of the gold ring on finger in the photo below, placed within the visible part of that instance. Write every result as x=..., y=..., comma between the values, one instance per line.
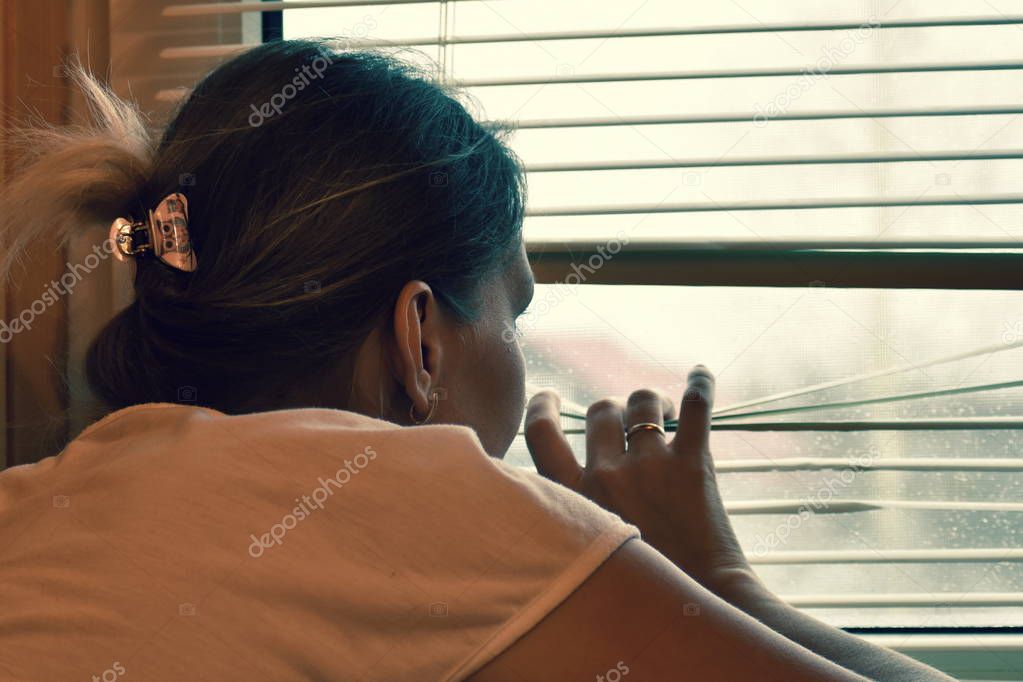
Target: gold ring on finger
x=644, y=426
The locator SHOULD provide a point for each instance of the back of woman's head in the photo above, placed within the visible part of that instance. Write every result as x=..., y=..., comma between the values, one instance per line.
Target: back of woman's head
x=319, y=182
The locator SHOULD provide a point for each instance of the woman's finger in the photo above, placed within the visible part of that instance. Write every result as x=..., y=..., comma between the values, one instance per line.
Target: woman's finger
x=645, y=406
x=694, y=421
x=605, y=432
x=547, y=443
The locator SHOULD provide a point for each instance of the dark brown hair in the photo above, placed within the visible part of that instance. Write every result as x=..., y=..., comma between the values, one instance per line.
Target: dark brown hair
x=319, y=182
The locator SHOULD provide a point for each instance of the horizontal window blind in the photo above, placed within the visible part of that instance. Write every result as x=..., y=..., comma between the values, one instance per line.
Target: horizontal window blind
x=737, y=123
x=866, y=157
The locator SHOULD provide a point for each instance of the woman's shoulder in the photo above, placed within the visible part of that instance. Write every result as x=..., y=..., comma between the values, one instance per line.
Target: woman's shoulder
x=341, y=542
x=435, y=464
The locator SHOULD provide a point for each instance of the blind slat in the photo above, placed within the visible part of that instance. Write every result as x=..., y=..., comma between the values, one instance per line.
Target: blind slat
x=711, y=29
x=176, y=94
x=780, y=245
x=765, y=72
x=797, y=506
x=878, y=400
x=888, y=556
x=748, y=117
x=788, y=204
x=217, y=8
x=739, y=161
x=925, y=464
x=873, y=599
x=224, y=8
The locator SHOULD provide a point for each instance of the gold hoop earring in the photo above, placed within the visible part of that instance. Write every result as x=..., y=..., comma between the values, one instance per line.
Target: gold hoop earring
x=434, y=398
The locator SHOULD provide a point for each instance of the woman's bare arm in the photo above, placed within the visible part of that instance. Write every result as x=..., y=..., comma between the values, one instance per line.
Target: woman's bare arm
x=640, y=616
x=853, y=652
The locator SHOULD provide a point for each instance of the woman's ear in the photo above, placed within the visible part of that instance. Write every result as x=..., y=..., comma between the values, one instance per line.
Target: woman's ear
x=418, y=340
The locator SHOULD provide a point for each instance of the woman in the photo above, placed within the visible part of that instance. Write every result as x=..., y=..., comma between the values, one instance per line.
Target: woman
x=292, y=480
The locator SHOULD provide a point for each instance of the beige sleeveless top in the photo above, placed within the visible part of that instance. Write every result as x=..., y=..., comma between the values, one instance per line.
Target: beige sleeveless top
x=171, y=542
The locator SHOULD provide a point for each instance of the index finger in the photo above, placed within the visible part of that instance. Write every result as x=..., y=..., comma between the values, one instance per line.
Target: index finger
x=694, y=420
x=546, y=441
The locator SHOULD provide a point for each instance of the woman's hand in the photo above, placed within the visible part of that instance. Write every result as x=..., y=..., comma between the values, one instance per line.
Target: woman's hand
x=666, y=488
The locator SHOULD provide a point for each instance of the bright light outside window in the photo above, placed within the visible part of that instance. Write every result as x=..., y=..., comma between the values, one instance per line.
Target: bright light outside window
x=707, y=137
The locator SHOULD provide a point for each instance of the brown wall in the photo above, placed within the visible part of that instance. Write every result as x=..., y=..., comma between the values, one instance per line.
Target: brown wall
x=36, y=35
x=43, y=396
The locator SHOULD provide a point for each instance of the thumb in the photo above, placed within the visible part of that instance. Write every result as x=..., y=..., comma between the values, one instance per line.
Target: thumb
x=546, y=441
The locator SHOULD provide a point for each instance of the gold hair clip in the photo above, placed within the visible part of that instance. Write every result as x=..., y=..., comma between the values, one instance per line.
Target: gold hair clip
x=164, y=233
